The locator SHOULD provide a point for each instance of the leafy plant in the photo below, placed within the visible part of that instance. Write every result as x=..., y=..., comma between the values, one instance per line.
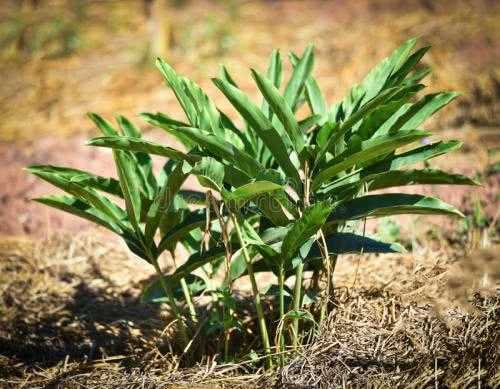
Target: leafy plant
x=281, y=191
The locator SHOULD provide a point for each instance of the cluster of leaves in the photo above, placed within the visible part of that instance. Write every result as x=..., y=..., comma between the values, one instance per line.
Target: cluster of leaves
x=281, y=193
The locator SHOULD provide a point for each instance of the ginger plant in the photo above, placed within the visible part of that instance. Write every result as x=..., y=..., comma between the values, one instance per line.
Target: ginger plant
x=282, y=190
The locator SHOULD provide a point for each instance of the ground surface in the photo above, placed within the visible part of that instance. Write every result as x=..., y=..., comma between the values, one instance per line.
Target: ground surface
x=69, y=312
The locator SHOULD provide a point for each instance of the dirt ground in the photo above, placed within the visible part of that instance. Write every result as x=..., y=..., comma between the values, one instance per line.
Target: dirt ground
x=44, y=100
x=69, y=309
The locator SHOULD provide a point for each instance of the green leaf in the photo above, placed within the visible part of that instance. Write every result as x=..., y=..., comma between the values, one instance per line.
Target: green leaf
x=178, y=87
x=195, y=219
x=143, y=165
x=344, y=243
x=103, y=125
x=72, y=205
x=239, y=196
x=306, y=125
x=274, y=73
x=193, y=197
x=154, y=292
x=222, y=149
x=370, y=149
x=390, y=204
x=210, y=173
x=412, y=157
x=315, y=98
x=338, y=133
x=416, y=177
x=104, y=184
x=130, y=187
x=128, y=128
x=142, y=146
x=302, y=229
x=399, y=75
x=85, y=194
x=262, y=126
x=419, y=112
x=281, y=109
x=378, y=78
x=162, y=121
x=226, y=76
x=163, y=200
x=300, y=75
x=168, y=124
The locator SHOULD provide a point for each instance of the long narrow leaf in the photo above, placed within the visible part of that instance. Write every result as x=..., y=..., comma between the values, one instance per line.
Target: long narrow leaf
x=302, y=229
x=281, y=109
x=390, y=204
x=140, y=145
x=262, y=126
x=376, y=147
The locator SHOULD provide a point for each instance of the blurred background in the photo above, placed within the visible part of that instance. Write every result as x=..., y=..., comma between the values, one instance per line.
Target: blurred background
x=62, y=58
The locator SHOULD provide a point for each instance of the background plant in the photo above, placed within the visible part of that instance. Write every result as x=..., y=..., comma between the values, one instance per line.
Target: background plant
x=282, y=191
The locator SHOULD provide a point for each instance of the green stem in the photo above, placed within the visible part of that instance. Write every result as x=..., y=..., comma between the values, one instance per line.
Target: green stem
x=297, y=298
x=281, y=284
x=173, y=305
x=258, y=304
x=189, y=300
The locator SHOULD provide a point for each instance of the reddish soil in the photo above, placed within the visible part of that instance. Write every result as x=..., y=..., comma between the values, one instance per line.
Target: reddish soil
x=44, y=119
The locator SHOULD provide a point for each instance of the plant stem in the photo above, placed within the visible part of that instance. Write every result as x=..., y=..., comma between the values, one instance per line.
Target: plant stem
x=297, y=290
x=173, y=305
x=326, y=258
x=281, y=284
x=186, y=292
x=227, y=313
x=258, y=304
x=189, y=301
x=297, y=298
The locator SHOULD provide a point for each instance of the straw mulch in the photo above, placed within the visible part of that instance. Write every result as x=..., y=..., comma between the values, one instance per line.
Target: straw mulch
x=70, y=317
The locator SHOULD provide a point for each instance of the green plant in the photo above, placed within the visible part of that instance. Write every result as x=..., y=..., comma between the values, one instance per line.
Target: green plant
x=281, y=192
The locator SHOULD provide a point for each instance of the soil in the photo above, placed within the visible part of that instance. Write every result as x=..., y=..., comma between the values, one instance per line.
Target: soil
x=51, y=95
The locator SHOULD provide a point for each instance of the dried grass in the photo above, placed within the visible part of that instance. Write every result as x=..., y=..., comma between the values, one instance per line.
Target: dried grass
x=70, y=317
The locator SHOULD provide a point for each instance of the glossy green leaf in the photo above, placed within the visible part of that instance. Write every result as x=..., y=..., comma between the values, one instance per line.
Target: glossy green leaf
x=104, y=184
x=416, y=177
x=195, y=219
x=262, y=126
x=164, y=199
x=302, y=229
x=346, y=242
x=85, y=194
x=300, y=75
x=315, y=98
x=102, y=124
x=241, y=195
x=417, y=113
x=130, y=187
x=413, y=156
x=210, y=173
x=339, y=131
x=140, y=145
x=274, y=73
x=281, y=109
x=77, y=207
x=174, y=81
x=374, y=148
x=222, y=149
x=390, y=204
